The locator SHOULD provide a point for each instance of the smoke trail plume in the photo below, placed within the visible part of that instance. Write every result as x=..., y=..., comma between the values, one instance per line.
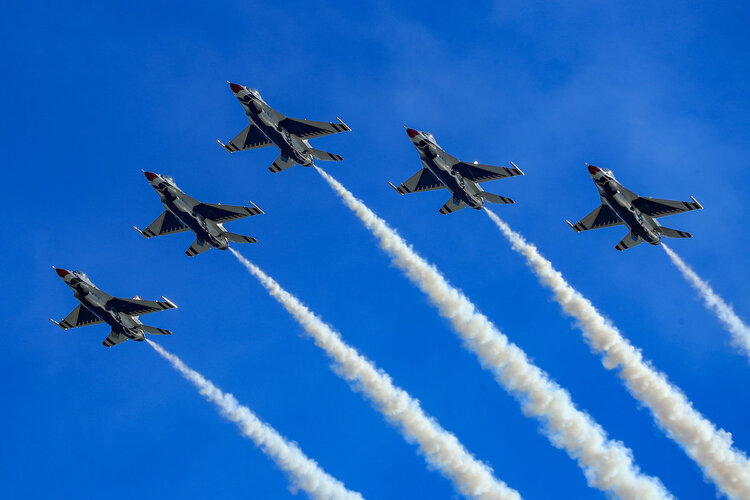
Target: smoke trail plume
x=608, y=465
x=709, y=447
x=304, y=473
x=739, y=330
x=441, y=448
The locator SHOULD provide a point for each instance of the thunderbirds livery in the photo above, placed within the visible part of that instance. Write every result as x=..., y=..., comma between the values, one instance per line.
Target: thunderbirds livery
x=184, y=213
x=638, y=214
x=97, y=307
x=441, y=170
x=268, y=127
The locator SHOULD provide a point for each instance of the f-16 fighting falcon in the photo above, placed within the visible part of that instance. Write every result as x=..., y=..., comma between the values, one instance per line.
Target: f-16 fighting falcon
x=269, y=127
x=184, y=213
x=97, y=307
x=620, y=206
x=441, y=170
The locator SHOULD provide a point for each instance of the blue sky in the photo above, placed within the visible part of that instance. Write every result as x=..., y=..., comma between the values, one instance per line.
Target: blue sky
x=94, y=93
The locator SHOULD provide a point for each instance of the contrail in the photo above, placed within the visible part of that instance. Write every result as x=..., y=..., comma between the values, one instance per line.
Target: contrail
x=739, y=330
x=304, y=473
x=441, y=448
x=608, y=465
x=709, y=447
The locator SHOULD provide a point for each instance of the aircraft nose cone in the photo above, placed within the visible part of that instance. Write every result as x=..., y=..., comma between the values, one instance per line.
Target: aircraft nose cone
x=411, y=132
x=235, y=88
x=150, y=175
x=593, y=169
x=62, y=272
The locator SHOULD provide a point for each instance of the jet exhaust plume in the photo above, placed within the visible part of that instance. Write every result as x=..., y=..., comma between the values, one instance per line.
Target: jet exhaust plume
x=304, y=473
x=442, y=449
x=608, y=465
x=709, y=447
x=732, y=323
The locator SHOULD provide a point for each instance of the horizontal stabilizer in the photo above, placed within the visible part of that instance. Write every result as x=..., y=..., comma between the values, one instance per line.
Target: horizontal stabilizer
x=281, y=163
x=452, y=206
x=325, y=155
x=629, y=241
x=674, y=233
x=197, y=247
x=154, y=331
x=114, y=338
x=494, y=198
x=238, y=238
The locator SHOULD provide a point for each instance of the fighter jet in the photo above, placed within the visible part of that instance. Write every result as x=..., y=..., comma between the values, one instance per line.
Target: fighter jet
x=269, y=127
x=97, y=307
x=184, y=213
x=638, y=214
x=441, y=170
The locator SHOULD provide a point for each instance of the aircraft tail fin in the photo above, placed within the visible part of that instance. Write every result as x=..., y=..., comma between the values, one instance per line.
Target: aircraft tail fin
x=238, y=238
x=197, y=247
x=152, y=330
x=674, y=233
x=629, y=241
x=325, y=155
x=494, y=198
x=452, y=206
x=281, y=163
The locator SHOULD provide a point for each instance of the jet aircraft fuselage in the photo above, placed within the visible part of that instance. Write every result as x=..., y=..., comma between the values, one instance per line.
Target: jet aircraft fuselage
x=267, y=120
x=435, y=159
x=613, y=194
x=99, y=304
x=182, y=206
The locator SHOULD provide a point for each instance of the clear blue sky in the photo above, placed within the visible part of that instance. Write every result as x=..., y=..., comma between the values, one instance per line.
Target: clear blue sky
x=95, y=93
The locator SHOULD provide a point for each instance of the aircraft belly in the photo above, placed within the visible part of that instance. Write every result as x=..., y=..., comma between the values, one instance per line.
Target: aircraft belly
x=101, y=313
x=188, y=219
x=447, y=179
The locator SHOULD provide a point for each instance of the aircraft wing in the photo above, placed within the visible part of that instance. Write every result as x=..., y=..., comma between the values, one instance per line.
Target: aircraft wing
x=602, y=216
x=424, y=180
x=139, y=307
x=80, y=316
x=483, y=173
x=307, y=129
x=114, y=338
x=250, y=138
x=660, y=208
x=166, y=223
x=224, y=213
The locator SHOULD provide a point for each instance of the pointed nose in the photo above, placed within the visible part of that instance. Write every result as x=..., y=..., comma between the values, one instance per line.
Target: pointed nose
x=593, y=169
x=235, y=88
x=150, y=176
x=411, y=132
x=62, y=272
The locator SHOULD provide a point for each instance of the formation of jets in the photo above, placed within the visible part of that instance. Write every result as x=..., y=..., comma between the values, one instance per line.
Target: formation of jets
x=268, y=127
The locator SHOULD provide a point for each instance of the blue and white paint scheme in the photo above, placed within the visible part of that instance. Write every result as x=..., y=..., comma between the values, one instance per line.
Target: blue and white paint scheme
x=98, y=307
x=638, y=214
x=268, y=127
x=206, y=220
x=441, y=170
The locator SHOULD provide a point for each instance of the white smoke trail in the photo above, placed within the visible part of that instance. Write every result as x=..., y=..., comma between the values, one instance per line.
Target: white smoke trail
x=304, y=472
x=441, y=448
x=709, y=447
x=608, y=465
x=739, y=330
